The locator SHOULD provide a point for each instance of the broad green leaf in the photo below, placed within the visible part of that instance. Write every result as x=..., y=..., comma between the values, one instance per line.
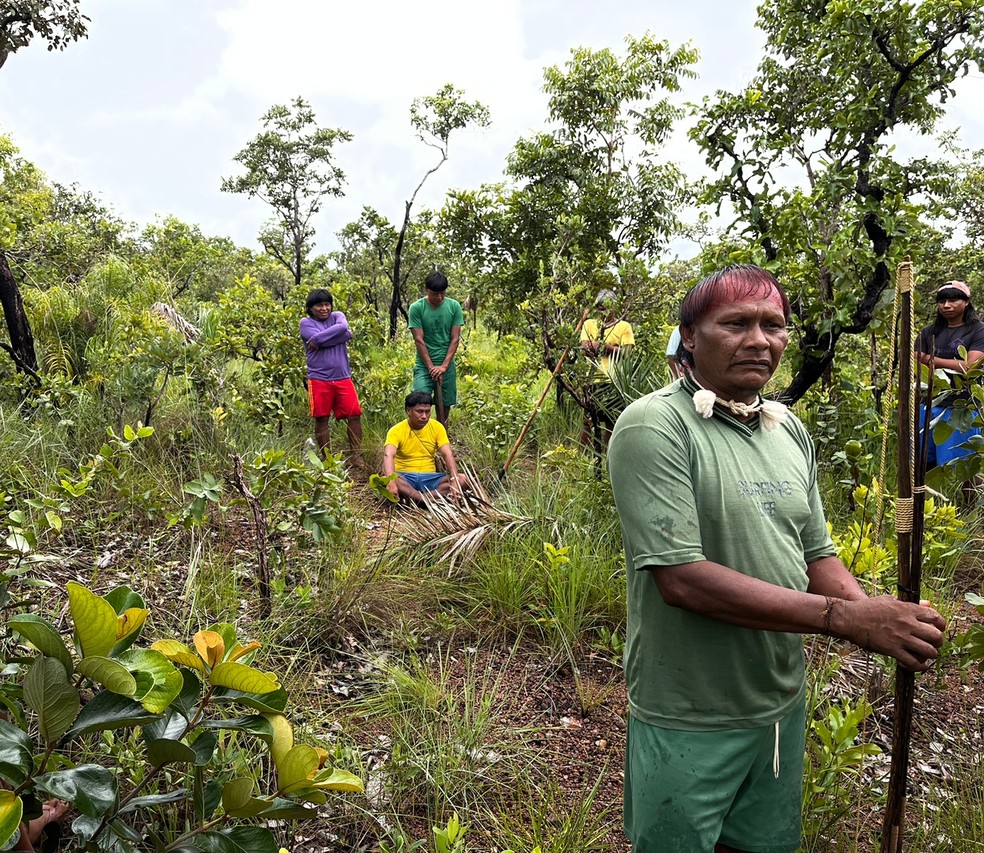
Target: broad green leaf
x=253, y=724
x=17, y=542
x=238, y=676
x=204, y=748
x=106, y=711
x=227, y=631
x=128, y=433
x=52, y=697
x=377, y=485
x=251, y=808
x=123, y=598
x=337, y=780
x=207, y=797
x=236, y=793
x=153, y=800
x=172, y=726
x=43, y=636
x=128, y=833
x=297, y=766
x=283, y=737
x=179, y=653
x=85, y=827
x=16, y=754
x=238, y=839
x=90, y=788
x=95, y=620
x=188, y=700
x=308, y=793
x=161, y=752
x=110, y=673
x=284, y=809
x=266, y=703
x=11, y=811
x=156, y=675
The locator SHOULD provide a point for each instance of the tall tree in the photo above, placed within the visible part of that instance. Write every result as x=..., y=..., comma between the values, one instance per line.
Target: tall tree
x=434, y=118
x=590, y=194
x=57, y=22
x=805, y=155
x=21, y=346
x=290, y=166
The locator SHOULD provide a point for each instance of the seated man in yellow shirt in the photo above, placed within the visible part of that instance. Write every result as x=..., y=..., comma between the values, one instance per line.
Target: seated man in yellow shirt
x=410, y=449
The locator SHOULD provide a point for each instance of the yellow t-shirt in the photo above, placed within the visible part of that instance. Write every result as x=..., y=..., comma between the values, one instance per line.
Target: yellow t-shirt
x=415, y=449
x=619, y=334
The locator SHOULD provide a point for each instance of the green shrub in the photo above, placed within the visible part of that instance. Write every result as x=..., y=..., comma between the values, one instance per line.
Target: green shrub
x=180, y=761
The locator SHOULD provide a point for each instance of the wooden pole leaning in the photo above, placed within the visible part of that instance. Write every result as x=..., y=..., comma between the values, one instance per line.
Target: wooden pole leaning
x=439, y=391
x=909, y=528
x=543, y=396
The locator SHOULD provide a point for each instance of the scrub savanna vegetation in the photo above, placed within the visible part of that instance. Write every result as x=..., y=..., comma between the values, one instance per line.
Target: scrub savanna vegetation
x=215, y=638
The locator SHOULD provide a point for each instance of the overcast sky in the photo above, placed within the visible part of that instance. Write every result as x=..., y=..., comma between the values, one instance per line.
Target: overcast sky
x=149, y=111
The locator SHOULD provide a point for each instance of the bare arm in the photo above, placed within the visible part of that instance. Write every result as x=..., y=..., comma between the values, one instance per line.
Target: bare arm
x=389, y=467
x=909, y=633
x=453, y=346
x=973, y=357
x=448, y=456
x=418, y=342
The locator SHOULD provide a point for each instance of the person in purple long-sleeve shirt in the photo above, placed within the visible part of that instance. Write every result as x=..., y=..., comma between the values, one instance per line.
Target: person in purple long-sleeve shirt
x=331, y=391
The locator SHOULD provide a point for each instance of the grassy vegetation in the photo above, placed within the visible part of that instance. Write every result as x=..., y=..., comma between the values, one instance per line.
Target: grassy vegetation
x=415, y=647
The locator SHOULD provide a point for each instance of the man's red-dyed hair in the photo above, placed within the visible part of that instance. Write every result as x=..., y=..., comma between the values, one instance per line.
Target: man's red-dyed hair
x=734, y=283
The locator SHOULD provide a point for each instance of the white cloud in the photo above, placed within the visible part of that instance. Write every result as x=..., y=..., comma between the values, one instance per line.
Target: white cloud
x=151, y=108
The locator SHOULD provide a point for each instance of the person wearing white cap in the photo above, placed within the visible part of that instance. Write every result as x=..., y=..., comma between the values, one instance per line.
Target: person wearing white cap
x=957, y=325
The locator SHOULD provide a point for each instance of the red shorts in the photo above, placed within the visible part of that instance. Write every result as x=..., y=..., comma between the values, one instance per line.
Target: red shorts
x=336, y=398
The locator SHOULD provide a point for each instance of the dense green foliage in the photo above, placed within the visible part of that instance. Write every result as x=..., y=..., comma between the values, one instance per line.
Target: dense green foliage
x=159, y=445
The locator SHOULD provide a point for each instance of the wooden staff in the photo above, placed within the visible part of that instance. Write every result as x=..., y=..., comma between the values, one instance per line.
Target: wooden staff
x=543, y=396
x=439, y=389
x=909, y=529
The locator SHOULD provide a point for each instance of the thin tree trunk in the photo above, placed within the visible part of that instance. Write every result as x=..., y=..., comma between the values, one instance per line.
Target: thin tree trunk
x=21, y=340
x=397, y=297
x=260, y=533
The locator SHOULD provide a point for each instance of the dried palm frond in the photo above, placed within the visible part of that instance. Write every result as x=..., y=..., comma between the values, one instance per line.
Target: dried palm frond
x=190, y=332
x=447, y=532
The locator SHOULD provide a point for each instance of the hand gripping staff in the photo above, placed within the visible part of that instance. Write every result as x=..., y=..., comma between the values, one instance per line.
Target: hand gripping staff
x=909, y=521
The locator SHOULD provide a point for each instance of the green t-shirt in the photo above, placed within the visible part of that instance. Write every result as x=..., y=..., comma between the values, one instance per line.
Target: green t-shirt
x=688, y=489
x=437, y=324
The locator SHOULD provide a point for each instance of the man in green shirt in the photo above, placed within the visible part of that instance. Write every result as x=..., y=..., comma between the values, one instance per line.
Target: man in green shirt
x=435, y=323
x=728, y=563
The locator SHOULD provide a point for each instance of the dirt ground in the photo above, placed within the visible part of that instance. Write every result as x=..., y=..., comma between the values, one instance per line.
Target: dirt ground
x=576, y=726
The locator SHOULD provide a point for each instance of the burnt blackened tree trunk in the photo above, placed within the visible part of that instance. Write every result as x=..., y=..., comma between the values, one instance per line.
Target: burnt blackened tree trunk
x=21, y=346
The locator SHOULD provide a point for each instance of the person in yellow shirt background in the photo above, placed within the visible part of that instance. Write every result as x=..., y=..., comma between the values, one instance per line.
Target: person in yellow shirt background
x=410, y=451
x=604, y=340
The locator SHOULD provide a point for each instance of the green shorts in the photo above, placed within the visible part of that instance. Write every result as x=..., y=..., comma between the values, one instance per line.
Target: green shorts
x=422, y=381
x=686, y=791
